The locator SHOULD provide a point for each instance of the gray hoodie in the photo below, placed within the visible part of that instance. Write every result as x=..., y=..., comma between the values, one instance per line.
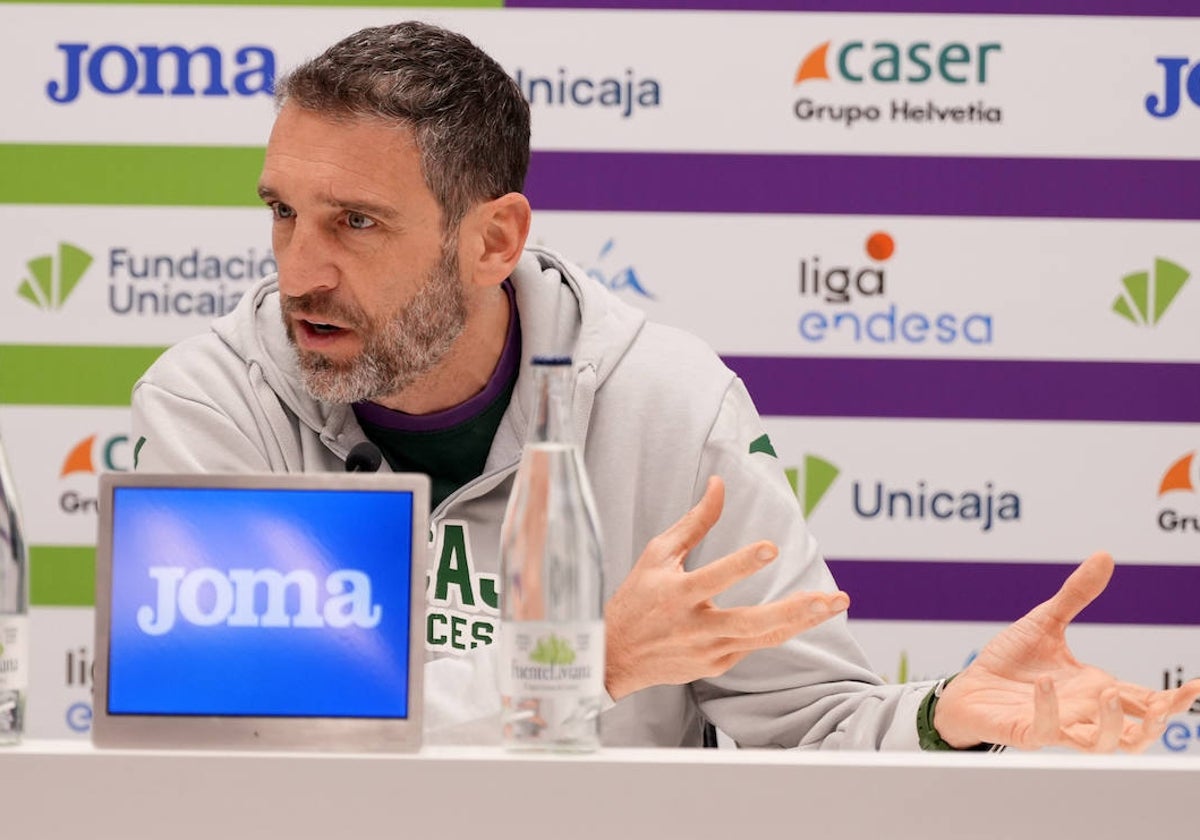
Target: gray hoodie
x=658, y=413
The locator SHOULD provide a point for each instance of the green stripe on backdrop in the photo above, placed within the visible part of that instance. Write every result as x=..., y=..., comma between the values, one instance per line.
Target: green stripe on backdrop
x=432, y=4
x=35, y=374
x=167, y=176
x=62, y=575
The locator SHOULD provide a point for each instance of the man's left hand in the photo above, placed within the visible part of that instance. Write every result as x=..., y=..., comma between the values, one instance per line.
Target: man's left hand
x=1026, y=690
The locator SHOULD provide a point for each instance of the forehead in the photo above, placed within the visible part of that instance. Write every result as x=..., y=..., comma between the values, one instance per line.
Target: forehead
x=313, y=156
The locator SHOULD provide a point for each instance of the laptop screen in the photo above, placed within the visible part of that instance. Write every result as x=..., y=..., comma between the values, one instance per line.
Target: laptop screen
x=260, y=602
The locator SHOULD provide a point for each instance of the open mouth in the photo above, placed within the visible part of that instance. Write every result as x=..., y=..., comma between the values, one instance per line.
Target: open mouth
x=314, y=335
x=323, y=329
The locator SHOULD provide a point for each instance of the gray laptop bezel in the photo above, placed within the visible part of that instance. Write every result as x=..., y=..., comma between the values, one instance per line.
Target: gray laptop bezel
x=272, y=733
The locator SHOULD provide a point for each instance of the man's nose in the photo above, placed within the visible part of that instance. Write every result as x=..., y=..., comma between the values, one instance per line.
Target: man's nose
x=306, y=262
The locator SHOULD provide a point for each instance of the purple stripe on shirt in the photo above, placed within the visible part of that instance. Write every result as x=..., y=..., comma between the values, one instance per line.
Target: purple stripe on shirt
x=502, y=376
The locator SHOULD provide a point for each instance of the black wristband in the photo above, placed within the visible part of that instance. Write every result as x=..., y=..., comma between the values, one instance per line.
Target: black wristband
x=927, y=734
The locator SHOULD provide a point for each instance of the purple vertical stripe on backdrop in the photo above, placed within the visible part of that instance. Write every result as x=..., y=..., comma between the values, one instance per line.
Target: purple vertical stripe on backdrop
x=930, y=590
x=1124, y=8
x=1151, y=392
x=861, y=184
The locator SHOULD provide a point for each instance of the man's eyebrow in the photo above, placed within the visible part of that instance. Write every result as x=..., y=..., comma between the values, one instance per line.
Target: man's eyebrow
x=381, y=211
x=367, y=208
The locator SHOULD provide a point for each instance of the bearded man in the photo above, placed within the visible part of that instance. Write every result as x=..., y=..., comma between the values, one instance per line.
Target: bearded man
x=404, y=305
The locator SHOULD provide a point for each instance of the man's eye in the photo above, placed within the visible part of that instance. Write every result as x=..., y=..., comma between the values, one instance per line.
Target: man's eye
x=282, y=211
x=358, y=221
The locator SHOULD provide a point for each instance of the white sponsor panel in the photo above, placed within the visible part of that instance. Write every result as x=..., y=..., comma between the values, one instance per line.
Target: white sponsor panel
x=1151, y=656
x=56, y=454
x=1056, y=492
x=955, y=84
x=61, y=657
x=126, y=275
x=772, y=285
x=897, y=286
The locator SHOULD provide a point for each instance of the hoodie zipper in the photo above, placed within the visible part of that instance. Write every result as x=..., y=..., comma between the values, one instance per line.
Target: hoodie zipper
x=495, y=477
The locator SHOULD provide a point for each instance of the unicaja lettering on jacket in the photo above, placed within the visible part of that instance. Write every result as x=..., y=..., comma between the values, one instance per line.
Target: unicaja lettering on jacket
x=229, y=599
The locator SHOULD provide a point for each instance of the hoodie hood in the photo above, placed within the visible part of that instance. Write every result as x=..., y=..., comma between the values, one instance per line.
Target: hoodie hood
x=562, y=312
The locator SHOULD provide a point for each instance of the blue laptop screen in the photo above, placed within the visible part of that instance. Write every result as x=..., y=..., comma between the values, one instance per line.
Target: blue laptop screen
x=260, y=602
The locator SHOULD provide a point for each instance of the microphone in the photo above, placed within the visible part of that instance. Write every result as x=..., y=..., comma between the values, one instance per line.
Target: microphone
x=364, y=457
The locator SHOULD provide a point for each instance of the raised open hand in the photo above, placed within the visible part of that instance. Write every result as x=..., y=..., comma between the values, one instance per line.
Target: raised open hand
x=1026, y=690
x=662, y=626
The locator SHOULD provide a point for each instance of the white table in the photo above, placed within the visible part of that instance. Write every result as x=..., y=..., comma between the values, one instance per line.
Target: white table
x=52, y=790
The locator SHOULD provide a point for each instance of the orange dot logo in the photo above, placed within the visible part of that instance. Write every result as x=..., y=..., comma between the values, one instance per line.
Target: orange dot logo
x=880, y=246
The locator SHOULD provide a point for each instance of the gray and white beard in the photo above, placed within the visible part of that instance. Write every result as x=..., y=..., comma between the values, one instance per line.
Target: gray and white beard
x=397, y=351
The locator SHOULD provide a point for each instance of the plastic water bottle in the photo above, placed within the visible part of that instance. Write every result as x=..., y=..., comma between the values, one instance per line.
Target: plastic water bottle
x=14, y=614
x=551, y=669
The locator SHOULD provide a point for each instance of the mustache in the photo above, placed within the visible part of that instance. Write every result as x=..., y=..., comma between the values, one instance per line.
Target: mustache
x=323, y=304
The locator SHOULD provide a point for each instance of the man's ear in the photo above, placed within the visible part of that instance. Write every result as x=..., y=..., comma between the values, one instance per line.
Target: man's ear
x=497, y=230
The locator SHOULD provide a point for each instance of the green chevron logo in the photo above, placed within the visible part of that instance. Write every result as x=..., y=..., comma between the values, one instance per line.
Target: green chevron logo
x=1145, y=299
x=818, y=476
x=52, y=278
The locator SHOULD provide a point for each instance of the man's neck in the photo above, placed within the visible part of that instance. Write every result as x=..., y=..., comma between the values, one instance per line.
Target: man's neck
x=468, y=366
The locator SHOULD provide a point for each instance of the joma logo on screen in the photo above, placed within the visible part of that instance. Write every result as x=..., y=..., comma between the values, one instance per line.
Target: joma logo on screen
x=208, y=597
x=161, y=70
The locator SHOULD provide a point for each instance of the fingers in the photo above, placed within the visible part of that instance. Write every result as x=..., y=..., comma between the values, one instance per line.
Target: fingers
x=1044, y=731
x=1104, y=734
x=1135, y=699
x=1138, y=736
x=1080, y=589
x=1154, y=708
x=1183, y=697
x=715, y=577
x=1111, y=724
x=767, y=625
x=1138, y=700
x=673, y=544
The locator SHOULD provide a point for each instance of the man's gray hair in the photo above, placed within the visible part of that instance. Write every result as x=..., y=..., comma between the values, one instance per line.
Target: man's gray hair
x=469, y=118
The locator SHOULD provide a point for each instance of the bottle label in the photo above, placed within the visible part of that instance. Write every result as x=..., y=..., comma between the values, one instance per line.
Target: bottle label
x=552, y=659
x=14, y=653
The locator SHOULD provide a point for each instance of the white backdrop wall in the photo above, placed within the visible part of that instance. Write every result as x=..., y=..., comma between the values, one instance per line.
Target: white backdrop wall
x=949, y=247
